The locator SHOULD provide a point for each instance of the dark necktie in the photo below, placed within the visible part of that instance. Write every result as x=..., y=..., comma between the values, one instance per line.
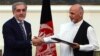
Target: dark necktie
x=23, y=31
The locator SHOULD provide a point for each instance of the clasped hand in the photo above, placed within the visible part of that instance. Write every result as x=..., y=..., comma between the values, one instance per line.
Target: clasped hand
x=36, y=41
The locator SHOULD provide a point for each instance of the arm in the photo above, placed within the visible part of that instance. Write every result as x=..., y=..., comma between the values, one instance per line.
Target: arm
x=50, y=40
x=93, y=44
x=39, y=40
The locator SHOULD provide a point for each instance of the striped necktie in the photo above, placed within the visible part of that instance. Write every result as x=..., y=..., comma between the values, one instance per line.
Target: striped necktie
x=23, y=31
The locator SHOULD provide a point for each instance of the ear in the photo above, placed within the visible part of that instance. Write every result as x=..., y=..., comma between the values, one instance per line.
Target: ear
x=81, y=14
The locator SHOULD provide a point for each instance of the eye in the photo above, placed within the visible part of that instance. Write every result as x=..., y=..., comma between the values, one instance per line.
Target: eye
x=71, y=13
x=23, y=10
x=19, y=10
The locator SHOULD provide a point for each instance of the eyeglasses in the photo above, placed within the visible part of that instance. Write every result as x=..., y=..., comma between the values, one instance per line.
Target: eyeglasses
x=19, y=10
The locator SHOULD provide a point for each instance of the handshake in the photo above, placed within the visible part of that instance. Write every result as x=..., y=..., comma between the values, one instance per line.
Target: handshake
x=37, y=41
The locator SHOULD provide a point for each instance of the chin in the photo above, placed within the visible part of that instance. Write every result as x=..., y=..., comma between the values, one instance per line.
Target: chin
x=21, y=18
x=74, y=21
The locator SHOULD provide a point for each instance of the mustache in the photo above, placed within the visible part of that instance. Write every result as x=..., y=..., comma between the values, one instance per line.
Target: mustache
x=22, y=15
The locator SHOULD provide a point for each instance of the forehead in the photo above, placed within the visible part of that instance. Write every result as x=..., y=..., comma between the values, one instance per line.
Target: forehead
x=20, y=6
x=74, y=8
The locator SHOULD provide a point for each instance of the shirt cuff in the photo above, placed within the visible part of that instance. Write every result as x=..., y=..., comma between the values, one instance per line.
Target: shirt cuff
x=46, y=40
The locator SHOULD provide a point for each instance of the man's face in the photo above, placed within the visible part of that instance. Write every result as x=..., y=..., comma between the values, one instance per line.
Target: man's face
x=75, y=14
x=20, y=12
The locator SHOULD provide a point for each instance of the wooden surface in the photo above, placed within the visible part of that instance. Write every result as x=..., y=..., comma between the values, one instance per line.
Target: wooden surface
x=97, y=53
x=0, y=52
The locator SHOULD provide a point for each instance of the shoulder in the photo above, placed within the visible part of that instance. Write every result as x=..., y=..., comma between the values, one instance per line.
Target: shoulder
x=27, y=23
x=8, y=22
x=90, y=28
x=66, y=24
x=86, y=23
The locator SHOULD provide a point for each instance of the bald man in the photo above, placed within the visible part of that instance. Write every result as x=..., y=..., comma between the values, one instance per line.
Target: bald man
x=78, y=32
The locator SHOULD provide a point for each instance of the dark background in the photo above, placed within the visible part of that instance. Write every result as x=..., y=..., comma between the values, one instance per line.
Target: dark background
x=53, y=2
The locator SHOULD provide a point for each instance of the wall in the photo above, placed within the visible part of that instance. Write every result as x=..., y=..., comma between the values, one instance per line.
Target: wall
x=59, y=15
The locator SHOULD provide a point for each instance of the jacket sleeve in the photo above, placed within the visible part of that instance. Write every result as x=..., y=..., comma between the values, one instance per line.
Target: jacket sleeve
x=11, y=42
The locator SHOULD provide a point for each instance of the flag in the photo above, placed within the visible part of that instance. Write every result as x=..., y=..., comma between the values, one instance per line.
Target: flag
x=46, y=29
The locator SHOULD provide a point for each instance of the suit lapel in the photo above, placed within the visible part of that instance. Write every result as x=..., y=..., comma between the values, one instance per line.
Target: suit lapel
x=16, y=26
x=26, y=28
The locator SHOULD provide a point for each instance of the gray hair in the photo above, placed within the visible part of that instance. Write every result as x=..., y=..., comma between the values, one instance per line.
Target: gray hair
x=18, y=3
x=81, y=8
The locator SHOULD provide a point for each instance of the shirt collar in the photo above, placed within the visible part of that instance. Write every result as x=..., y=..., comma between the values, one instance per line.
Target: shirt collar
x=79, y=23
x=19, y=21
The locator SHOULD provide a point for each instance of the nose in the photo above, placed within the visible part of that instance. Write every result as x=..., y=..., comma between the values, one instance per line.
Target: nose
x=21, y=12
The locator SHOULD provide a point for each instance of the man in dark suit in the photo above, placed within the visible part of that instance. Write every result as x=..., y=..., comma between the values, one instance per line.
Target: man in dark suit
x=17, y=33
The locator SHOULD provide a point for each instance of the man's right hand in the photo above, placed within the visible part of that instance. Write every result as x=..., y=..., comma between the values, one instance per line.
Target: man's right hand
x=37, y=41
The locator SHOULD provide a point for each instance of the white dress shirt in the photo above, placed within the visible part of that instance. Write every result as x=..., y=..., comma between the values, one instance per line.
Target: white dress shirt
x=68, y=32
x=22, y=25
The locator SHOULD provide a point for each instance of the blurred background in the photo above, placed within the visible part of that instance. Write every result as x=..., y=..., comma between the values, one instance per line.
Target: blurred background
x=60, y=10
x=53, y=2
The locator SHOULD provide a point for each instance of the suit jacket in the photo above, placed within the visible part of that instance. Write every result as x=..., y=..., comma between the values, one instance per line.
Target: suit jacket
x=14, y=42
